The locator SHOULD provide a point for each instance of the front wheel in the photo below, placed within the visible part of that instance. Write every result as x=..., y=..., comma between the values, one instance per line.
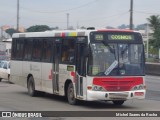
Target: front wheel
x=9, y=79
x=118, y=102
x=31, y=87
x=70, y=95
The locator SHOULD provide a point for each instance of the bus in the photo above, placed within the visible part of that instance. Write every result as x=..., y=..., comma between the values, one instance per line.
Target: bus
x=88, y=65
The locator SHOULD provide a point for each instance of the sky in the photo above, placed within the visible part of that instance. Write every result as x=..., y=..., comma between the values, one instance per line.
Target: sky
x=88, y=13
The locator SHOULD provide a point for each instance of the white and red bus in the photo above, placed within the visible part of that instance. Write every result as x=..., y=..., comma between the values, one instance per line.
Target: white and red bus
x=89, y=65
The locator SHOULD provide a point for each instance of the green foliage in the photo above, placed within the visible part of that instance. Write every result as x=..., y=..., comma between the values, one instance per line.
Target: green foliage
x=141, y=27
x=11, y=31
x=38, y=28
x=154, y=22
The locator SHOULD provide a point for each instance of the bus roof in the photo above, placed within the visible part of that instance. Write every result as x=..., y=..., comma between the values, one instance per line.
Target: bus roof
x=65, y=33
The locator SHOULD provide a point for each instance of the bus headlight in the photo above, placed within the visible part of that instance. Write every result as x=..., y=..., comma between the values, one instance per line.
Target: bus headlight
x=98, y=88
x=139, y=87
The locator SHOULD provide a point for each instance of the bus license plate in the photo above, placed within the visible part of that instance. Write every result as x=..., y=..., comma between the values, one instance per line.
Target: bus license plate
x=118, y=95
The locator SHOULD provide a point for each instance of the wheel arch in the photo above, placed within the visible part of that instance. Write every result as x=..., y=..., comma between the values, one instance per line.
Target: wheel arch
x=68, y=81
x=29, y=75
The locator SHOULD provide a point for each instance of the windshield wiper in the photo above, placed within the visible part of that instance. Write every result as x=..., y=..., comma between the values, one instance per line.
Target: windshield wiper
x=111, y=67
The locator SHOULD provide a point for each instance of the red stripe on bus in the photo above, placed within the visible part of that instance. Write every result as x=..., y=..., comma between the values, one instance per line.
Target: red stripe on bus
x=118, y=84
x=73, y=75
x=63, y=34
x=50, y=75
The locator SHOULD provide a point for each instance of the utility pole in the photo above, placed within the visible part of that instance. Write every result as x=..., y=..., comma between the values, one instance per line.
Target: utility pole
x=67, y=20
x=17, y=15
x=1, y=34
x=131, y=15
x=147, y=31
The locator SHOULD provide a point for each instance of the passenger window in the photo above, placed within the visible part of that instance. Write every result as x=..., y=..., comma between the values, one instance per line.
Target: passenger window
x=37, y=45
x=47, y=50
x=28, y=50
x=19, y=49
x=68, y=51
x=13, y=55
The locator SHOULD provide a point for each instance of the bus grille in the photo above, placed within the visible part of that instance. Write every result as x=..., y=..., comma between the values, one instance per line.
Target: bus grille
x=118, y=84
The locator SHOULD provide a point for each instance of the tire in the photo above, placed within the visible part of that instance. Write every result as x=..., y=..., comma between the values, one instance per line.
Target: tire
x=9, y=79
x=70, y=95
x=31, y=87
x=0, y=79
x=118, y=102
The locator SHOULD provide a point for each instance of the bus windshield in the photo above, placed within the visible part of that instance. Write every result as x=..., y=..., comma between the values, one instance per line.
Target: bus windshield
x=116, y=59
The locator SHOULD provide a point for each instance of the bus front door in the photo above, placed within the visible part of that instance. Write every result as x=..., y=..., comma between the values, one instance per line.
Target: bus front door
x=57, y=52
x=80, y=69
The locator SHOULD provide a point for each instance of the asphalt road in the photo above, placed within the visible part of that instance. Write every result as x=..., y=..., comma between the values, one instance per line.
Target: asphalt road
x=15, y=98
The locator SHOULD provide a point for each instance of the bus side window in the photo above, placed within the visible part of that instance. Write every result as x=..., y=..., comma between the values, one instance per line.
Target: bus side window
x=37, y=45
x=64, y=56
x=47, y=51
x=68, y=51
x=19, y=49
x=27, y=49
x=13, y=55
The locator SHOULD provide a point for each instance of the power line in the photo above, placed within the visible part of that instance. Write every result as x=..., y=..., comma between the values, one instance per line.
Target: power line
x=60, y=11
x=40, y=20
x=108, y=17
x=145, y=12
x=117, y=18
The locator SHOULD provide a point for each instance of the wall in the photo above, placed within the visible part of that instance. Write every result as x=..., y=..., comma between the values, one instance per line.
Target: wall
x=152, y=68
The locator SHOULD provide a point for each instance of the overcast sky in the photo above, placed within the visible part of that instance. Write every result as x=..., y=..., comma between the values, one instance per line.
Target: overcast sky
x=97, y=13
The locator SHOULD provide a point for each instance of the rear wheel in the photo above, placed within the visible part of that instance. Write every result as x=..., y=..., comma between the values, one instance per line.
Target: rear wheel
x=70, y=95
x=118, y=102
x=31, y=87
x=0, y=79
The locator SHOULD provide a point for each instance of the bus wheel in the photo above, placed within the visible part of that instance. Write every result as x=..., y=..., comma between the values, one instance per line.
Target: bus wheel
x=0, y=79
x=31, y=87
x=118, y=102
x=70, y=95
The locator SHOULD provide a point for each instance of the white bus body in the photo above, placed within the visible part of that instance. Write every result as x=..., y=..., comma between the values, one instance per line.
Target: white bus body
x=77, y=77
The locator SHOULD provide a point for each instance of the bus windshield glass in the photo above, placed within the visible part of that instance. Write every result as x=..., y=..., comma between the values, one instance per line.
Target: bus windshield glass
x=116, y=59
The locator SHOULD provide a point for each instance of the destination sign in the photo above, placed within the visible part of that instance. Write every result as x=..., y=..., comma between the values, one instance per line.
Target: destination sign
x=120, y=37
x=115, y=36
x=99, y=37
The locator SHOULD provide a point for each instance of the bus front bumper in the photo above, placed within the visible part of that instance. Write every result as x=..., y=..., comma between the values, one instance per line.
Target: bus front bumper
x=121, y=95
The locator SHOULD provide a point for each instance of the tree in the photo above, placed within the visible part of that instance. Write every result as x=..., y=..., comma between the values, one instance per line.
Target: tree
x=141, y=27
x=154, y=23
x=83, y=27
x=11, y=31
x=38, y=28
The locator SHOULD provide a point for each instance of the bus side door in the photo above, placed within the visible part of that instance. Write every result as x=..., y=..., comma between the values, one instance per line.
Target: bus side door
x=56, y=61
x=80, y=68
